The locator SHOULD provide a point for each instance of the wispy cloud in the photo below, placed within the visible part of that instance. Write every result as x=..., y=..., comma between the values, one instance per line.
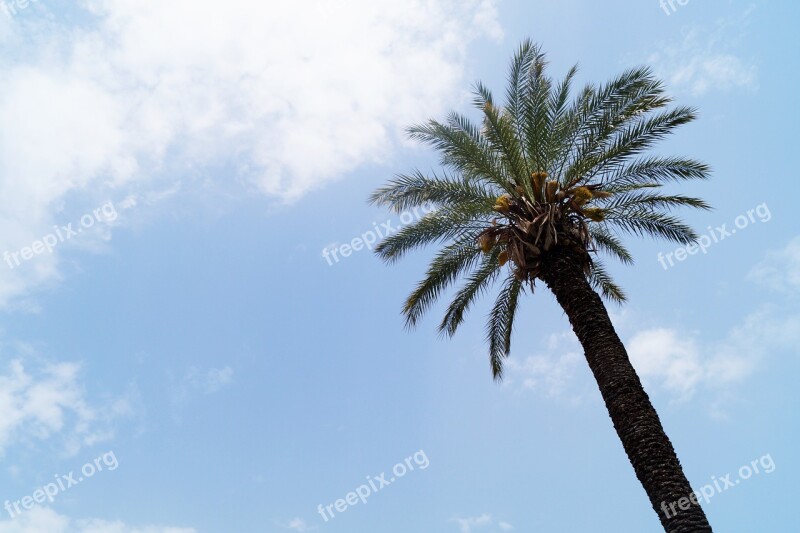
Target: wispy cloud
x=484, y=521
x=705, y=60
x=684, y=364
x=42, y=400
x=299, y=525
x=201, y=381
x=209, y=381
x=780, y=269
x=670, y=360
x=680, y=364
x=40, y=520
x=549, y=372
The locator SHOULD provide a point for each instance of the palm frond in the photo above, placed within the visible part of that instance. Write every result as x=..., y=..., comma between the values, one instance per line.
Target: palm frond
x=655, y=171
x=464, y=149
x=475, y=285
x=557, y=109
x=452, y=261
x=439, y=226
x=500, y=324
x=516, y=93
x=610, y=244
x=632, y=140
x=604, y=110
x=637, y=198
x=643, y=221
x=536, y=111
x=602, y=282
x=499, y=132
x=407, y=191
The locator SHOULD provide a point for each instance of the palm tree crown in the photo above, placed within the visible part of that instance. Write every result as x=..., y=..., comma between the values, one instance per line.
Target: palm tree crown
x=542, y=173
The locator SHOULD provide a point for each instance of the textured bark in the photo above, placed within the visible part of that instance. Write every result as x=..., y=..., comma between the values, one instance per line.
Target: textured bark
x=649, y=449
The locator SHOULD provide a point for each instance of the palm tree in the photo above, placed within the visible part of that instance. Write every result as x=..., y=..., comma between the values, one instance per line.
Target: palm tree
x=535, y=192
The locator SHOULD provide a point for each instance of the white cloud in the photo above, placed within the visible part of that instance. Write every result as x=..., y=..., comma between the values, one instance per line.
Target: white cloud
x=780, y=269
x=470, y=524
x=677, y=363
x=704, y=72
x=661, y=355
x=201, y=381
x=705, y=60
x=467, y=525
x=44, y=520
x=41, y=400
x=300, y=525
x=549, y=372
x=285, y=96
x=683, y=364
x=211, y=380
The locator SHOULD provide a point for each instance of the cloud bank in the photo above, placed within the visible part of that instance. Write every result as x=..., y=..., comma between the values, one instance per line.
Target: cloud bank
x=276, y=97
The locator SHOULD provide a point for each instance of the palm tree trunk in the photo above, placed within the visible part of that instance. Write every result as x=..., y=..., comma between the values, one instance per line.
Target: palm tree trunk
x=648, y=448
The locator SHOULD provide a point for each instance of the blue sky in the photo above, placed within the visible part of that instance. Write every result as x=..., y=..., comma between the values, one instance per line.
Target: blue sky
x=186, y=338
